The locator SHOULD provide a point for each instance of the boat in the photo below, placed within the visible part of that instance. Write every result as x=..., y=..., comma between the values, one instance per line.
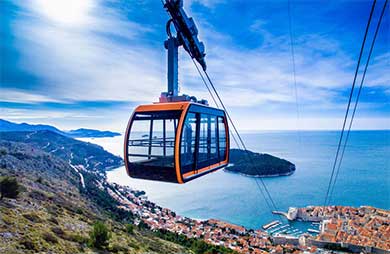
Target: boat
x=310, y=230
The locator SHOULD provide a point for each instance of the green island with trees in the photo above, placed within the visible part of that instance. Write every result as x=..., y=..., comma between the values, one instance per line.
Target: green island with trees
x=253, y=164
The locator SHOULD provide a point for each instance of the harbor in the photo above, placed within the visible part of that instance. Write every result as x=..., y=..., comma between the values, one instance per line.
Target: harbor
x=292, y=228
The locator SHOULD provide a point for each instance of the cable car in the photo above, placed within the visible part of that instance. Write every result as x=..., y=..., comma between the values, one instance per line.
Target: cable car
x=178, y=138
x=176, y=142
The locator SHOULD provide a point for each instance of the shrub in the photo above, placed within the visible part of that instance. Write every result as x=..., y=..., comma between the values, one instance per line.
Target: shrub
x=200, y=247
x=28, y=244
x=9, y=187
x=49, y=237
x=115, y=248
x=40, y=180
x=133, y=245
x=99, y=236
x=58, y=231
x=130, y=228
x=143, y=225
x=79, y=210
x=33, y=217
x=53, y=219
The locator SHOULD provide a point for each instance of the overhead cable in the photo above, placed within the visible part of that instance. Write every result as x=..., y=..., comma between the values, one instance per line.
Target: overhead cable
x=326, y=201
x=357, y=99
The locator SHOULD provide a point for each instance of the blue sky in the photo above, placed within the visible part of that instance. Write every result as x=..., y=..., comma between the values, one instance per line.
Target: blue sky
x=89, y=63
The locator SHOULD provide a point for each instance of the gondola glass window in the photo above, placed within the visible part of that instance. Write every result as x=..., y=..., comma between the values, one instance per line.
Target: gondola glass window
x=188, y=142
x=151, y=144
x=202, y=146
x=222, y=139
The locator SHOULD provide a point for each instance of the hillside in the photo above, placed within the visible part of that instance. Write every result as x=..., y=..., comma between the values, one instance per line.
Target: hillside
x=79, y=133
x=59, y=204
x=265, y=164
x=52, y=215
x=87, y=155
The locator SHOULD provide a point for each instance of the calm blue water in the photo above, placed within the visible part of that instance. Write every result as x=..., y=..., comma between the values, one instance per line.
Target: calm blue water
x=364, y=178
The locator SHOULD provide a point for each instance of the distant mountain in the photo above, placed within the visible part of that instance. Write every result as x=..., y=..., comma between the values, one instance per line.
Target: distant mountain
x=258, y=165
x=10, y=126
x=89, y=133
x=79, y=133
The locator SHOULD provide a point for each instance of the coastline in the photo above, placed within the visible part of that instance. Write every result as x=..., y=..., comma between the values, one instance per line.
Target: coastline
x=258, y=176
x=231, y=187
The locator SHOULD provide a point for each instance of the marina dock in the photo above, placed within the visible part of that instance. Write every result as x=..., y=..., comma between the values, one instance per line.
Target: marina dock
x=271, y=224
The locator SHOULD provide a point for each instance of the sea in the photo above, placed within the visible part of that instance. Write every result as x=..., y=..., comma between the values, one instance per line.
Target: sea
x=364, y=178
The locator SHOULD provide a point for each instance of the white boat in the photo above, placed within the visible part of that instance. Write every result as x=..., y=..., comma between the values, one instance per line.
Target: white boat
x=310, y=230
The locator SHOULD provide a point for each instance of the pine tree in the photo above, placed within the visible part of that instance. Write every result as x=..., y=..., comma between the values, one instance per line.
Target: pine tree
x=9, y=187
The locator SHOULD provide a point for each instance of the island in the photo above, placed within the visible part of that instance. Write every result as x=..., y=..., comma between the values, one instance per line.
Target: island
x=266, y=165
x=90, y=133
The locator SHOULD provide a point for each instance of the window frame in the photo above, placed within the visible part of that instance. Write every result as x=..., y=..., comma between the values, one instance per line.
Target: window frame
x=198, y=109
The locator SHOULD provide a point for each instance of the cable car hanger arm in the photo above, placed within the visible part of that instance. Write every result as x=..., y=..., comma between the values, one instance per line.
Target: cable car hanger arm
x=186, y=36
x=187, y=32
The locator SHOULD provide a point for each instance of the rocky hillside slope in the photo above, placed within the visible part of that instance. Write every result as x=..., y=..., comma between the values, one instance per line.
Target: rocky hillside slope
x=54, y=213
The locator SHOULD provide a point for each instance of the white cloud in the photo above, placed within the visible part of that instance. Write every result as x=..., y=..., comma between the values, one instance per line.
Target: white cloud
x=78, y=63
x=76, y=55
x=18, y=96
x=206, y=3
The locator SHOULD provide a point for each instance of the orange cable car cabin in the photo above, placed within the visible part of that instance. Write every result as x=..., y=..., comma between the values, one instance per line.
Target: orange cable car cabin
x=176, y=141
x=179, y=138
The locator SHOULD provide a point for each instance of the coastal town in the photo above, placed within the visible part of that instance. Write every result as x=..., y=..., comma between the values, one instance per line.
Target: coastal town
x=342, y=228
x=363, y=226
x=213, y=231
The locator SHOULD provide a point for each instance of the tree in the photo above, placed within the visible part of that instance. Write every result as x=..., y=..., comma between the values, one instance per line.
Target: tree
x=130, y=228
x=99, y=236
x=9, y=187
x=143, y=225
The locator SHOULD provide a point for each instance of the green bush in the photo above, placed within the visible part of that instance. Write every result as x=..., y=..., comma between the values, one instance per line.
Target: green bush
x=200, y=247
x=49, y=237
x=115, y=248
x=79, y=211
x=130, y=228
x=143, y=225
x=58, y=231
x=40, y=180
x=9, y=187
x=33, y=217
x=196, y=245
x=28, y=244
x=99, y=236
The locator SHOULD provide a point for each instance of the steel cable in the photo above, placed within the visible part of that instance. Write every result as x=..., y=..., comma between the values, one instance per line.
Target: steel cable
x=348, y=106
x=357, y=99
